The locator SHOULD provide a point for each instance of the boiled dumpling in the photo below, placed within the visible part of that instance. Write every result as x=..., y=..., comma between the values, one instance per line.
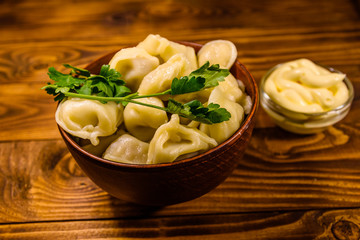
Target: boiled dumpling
x=127, y=149
x=161, y=78
x=229, y=86
x=133, y=64
x=222, y=52
x=142, y=121
x=104, y=143
x=89, y=119
x=202, y=96
x=173, y=140
x=246, y=103
x=222, y=131
x=165, y=49
x=231, y=89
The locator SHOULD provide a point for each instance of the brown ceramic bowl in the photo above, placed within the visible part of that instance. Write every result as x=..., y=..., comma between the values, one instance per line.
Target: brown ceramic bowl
x=169, y=183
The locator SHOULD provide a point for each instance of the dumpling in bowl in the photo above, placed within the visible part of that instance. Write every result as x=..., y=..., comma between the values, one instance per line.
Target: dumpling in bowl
x=142, y=121
x=89, y=119
x=161, y=78
x=231, y=87
x=127, y=149
x=222, y=52
x=173, y=140
x=104, y=143
x=222, y=131
x=165, y=49
x=133, y=64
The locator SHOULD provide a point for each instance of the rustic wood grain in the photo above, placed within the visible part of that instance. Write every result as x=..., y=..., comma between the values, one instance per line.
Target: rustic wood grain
x=61, y=19
x=300, y=225
x=41, y=181
x=259, y=50
x=286, y=187
x=26, y=112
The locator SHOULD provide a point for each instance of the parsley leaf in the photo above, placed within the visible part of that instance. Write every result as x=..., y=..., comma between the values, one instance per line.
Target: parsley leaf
x=194, y=110
x=77, y=71
x=187, y=85
x=213, y=74
x=63, y=84
x=64, y=80
x=106, y=84
x=204, y=77
x=217, y=114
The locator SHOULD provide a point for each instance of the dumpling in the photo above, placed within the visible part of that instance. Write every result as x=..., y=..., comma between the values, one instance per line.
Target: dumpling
x=161, y=78
x=104, y=143
x=231, y=87
x=127, y=149
x=133, y=64
x=142, y=121
x=89, y=119
x=173, y=140
x=246, y=103
x=222, y=131
x=222, y=52
x=165, y=49
x=202, y=96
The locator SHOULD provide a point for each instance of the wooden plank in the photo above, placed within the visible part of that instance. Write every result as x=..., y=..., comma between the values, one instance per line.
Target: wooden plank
x=277, y=186
x=259, y=50
x=300, y=225
x=26, y=113
x=40, y=181
x=89, y=19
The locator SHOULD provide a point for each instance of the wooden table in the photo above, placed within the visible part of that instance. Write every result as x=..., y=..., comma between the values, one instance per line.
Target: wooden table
x=286, y=187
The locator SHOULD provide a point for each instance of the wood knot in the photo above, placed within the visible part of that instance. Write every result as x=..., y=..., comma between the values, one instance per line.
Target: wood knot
x=167, y=9
x=123, y=18
x=346, y=230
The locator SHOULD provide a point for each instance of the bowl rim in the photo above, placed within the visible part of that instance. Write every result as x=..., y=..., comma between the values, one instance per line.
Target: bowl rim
x=192, y=160
x=268, y=101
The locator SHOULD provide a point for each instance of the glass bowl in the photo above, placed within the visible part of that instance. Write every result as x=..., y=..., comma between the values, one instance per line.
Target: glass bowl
x=300, y=122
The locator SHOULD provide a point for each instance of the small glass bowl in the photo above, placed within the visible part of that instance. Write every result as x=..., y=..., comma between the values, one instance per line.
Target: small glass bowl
x=299, y=122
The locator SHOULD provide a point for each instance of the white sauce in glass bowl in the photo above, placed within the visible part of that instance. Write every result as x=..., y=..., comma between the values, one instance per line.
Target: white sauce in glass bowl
x=303, y=86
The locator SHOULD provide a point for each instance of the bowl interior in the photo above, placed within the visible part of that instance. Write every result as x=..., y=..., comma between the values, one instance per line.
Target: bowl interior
x=238, y=70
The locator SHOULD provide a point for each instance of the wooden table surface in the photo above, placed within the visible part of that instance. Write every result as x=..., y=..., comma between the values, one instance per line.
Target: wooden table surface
x=286, y=187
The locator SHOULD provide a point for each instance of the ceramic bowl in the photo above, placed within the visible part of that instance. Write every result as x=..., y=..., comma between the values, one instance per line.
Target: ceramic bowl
x=169, y=183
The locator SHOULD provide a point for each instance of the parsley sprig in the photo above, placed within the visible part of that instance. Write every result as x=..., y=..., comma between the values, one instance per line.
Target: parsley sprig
x=80, y=81
x=108, y=86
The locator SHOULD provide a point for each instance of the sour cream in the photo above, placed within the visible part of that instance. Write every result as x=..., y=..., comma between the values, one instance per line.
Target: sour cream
x=303, y=86
x=303, y=97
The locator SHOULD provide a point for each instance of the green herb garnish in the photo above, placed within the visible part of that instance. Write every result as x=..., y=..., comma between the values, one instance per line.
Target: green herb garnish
x=80, y=81
x=194, y=110
x=204, y=77
x=108, y=86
